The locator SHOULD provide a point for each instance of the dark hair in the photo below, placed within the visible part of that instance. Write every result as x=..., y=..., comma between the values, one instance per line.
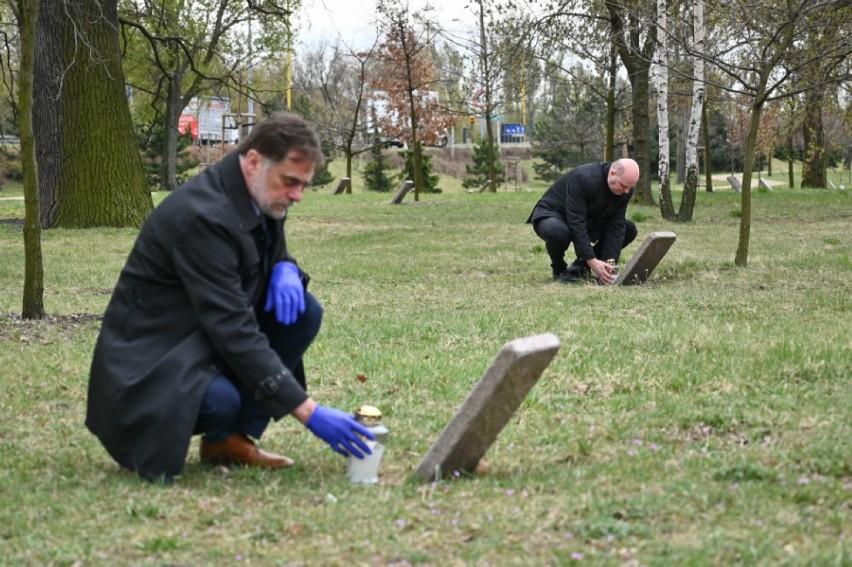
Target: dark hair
x=282, y=133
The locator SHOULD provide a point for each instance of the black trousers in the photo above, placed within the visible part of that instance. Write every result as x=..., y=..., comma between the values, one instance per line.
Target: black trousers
x=557, y=238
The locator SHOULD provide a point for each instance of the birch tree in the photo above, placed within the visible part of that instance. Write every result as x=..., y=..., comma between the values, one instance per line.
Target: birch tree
x=661, y=70
x=690, y=188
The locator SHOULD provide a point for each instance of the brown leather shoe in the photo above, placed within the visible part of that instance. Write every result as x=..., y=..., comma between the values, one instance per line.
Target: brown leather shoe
x=240, y=450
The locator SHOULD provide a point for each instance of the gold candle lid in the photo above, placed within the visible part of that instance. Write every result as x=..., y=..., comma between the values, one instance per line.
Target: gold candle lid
x=368, y=414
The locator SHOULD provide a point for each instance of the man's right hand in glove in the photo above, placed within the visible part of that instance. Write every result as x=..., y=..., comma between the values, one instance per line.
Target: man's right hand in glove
x=336, y=427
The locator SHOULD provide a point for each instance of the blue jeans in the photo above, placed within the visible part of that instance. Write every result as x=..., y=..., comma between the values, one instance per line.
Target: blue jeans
x=229, y=406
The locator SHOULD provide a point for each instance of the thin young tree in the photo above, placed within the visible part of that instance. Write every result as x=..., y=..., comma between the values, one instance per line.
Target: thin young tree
x=33, y=299
x=487, y=70
x=334, y=78
x=775, y=41
x=405, y=76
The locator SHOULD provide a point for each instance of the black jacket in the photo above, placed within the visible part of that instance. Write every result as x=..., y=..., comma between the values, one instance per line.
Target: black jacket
x=593, y=212
x=182, y=311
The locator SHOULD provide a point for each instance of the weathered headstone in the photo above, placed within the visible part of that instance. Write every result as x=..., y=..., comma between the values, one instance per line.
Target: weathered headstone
x=485, y=186
x=341, y=187
x=765, y=184
x=645, y=259
x=832, y=185
x=735, y=184
x=489, y=406
x=402, y=192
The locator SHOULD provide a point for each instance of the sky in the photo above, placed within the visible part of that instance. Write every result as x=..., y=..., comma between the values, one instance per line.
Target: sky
x=353, y=21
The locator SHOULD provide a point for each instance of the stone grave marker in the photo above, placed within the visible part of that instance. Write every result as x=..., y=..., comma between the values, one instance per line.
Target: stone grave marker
x=735, y=184
x=765, y=184
x=645, y=259
x=832, y=185
x=341, y=187
x=488, y=407
x=406, y=186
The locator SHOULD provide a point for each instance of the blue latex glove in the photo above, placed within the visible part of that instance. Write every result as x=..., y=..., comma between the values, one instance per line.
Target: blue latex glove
x=286, y=293
x=340, y=430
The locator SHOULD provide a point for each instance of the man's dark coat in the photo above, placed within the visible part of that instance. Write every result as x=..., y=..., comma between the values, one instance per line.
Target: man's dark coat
x=182, y=312
x=582, y=198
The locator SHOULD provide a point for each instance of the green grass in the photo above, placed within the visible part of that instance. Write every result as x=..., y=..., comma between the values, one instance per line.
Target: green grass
x=701, y=419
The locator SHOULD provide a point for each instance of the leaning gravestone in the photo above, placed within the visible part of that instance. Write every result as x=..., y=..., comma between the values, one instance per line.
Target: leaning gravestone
x=402, y=192
x=832, y=185
x=645, y=259
x=735, y=184
x=765, y=184
x=488, y=407
x=341, y=187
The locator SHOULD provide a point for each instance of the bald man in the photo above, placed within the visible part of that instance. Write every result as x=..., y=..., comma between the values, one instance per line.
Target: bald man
x=587, y=206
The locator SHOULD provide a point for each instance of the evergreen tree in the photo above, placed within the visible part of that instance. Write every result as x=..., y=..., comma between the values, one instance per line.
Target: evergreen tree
x=152, y=152
x=304, y=107
x=322, y=175
x=430, y=180
x=477, y=174
x=567, y=134
x=376, y=176
x=550, y=147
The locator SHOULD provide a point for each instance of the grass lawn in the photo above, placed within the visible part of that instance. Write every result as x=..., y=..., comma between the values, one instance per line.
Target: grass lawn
x=700, y=419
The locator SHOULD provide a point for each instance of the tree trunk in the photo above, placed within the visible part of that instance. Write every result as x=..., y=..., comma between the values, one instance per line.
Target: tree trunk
x=33, y=297
x=790, y=179
x=171, y=118
x=693, y=127
x=708, y=164
x=642, y=135
x=741, y=258
x=661, y=62
x=609, y=146
x=814, y=166
x=99, y=178
x=680, y=170
x=489, y=110
x=48, y=83
x=636, y=56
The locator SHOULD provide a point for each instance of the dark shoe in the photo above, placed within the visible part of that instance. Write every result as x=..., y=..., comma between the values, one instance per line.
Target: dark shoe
x=240, y=450
x=566, y=277
x=578, y=272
